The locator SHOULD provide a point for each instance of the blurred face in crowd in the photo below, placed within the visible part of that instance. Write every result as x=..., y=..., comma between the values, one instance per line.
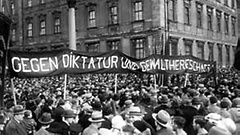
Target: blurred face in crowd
x=195, y=125
x=19, y=116
x=132, y=118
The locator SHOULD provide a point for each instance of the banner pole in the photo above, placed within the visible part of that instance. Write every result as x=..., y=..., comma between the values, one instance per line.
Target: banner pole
x=65, y=86
x=186, y=79
x=13, y=91
x=115, y=90
x=155, y=82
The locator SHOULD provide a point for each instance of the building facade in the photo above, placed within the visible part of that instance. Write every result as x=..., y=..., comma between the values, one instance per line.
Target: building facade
x=203, y=28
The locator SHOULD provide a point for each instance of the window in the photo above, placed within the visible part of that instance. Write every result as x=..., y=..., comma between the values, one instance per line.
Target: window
x=187, y=6
x=219, y=17
x=29, y=29
x=29, y=3
x=228, y=55
x=57, y=25
x=139, y=47
x=233, y=4
x=226, y=2
x=13, y=8
x=92, y=18
x=14, y=34
x=233, y=26
x=56, y=22
x=200, y=49
x=113, y=15
x=210, y=54
x=42, y=19
x=138, y=10
x=226, y=19
x=219, y=54
x=199, y=15
x=172, y=10
x=174, y=45
x=113, y=45
x=209, y=17
x=92, y=47
x=188, y=46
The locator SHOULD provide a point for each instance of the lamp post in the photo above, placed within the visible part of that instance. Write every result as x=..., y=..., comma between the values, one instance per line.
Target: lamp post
x=72, y=25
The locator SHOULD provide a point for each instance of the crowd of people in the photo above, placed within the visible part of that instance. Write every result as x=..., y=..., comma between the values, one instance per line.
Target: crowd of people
x=205, y=105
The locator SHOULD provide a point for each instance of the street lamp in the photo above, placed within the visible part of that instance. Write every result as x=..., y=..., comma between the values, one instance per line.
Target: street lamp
x=72, y=24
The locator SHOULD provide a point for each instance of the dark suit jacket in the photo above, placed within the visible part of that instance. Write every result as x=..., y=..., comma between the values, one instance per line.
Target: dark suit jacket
x=15, y=128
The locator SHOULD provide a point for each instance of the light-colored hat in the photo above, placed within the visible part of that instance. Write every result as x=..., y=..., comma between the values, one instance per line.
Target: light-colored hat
x=118, y=122
x=162, y=117
x=213, y=118
x=96, y=117
x=229, y=124
x=135, y=111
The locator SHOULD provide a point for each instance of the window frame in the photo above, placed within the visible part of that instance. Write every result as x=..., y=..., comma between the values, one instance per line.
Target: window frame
x=173, y=16
x=199, y=8
x=113, y=16
x=29, y=29
x=138, y=10
x=139, y=47
x=113, y=45
x=187, y=13
x=226, y=24
x=219, y=19
x=93, y=47
x=210, y=18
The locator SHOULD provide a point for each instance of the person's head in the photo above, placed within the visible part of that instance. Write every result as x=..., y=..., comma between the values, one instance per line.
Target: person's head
x=162, y=119
x=134, y=113
x=18, y=112
x=96, y=118
x=45, y=119
x=213, y=100
x=178, y=122
x=70, y=116
x=28, y=114
x=199, y=123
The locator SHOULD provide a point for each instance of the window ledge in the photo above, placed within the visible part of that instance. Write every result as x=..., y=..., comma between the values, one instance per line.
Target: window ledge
x=92, y=28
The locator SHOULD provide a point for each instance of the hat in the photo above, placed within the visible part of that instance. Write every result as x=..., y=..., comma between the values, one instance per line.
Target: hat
x=18, y=109
x=218, y=131
x=164, y=99
x=86, y=107
x=118, y=122
x=213, y=118
x=128, y=102
x=236, y=102
x=196, y=101
x=140, y=125
x=162, y=117
x=230, y=124
x=135, y=110
x=69, y=114
x=201, y=85
x=46, y=118
x=96, y=117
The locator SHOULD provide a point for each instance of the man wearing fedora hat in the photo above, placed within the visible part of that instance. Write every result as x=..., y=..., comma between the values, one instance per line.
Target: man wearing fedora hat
x=96, y=122
x=45, y=121
x=162, y=120
x=14, y=127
